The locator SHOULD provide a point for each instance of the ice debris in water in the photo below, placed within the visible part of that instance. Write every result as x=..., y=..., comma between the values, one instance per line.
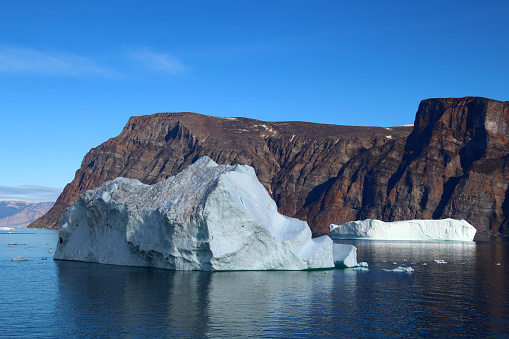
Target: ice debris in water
x=440, y=261
x=444, y=229
x=208, y=217
x=20, y=258
x=360, y=268
x=400, y=269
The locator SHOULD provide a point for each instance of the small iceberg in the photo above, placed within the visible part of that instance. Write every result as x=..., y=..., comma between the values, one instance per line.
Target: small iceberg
x=344, y=255
x=6, y=228
x=440, y=261
x=444, y=229
x=20, y=258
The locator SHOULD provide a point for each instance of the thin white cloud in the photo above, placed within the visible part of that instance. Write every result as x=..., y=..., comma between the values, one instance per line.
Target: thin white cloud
x=160, y=62
x=29, y=193
x=18, y=60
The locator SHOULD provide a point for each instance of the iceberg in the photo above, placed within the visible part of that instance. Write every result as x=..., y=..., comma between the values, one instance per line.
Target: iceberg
x=443, y=229
x=208, y=217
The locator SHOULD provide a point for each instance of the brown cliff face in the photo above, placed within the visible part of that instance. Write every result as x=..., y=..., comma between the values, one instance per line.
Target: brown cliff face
x=454, y=164
x=293, y=160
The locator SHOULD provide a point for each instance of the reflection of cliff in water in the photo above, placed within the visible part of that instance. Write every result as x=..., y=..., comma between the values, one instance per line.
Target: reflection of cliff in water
x=496, y=288
x=469, y=287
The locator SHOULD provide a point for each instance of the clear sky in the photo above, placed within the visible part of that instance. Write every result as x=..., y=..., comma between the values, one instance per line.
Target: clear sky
x=73, y=72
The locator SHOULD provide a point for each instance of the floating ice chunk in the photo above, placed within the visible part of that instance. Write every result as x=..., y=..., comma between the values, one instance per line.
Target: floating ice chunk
x=360, y=268
x=444, y=229
x=20, y=258
x=208, y=217
x=400, y=269
x=363, y=264
x=440, y=261
x=344, y=255
x=497, y=263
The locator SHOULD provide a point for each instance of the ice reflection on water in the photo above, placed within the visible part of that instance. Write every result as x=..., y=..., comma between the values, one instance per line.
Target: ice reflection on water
x=464, y=297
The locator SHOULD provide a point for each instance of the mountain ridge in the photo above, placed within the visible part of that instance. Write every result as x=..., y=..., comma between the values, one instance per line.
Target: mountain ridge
x=20, y=213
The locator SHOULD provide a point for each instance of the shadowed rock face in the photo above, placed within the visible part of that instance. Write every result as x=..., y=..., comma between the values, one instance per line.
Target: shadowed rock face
x=453, y=164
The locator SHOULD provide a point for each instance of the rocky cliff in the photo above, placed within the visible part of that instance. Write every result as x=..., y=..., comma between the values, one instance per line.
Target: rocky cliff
x=454, y=164
x=293, y=160
x=14, y=213
x=451, y=164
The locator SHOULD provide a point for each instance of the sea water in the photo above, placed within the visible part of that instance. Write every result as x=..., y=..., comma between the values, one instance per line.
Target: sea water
x=465, y=297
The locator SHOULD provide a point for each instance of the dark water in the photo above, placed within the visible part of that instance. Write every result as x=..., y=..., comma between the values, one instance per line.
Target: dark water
x=467, y=297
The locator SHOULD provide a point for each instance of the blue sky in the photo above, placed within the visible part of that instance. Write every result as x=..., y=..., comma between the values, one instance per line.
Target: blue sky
x=73, y=72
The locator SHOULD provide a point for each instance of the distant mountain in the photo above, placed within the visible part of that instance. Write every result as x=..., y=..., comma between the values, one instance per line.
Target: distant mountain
x=452, y=163
x=14, y=213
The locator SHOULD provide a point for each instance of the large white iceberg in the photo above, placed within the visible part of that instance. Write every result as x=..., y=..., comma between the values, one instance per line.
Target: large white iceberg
x=208, y=217
x=443, y=229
